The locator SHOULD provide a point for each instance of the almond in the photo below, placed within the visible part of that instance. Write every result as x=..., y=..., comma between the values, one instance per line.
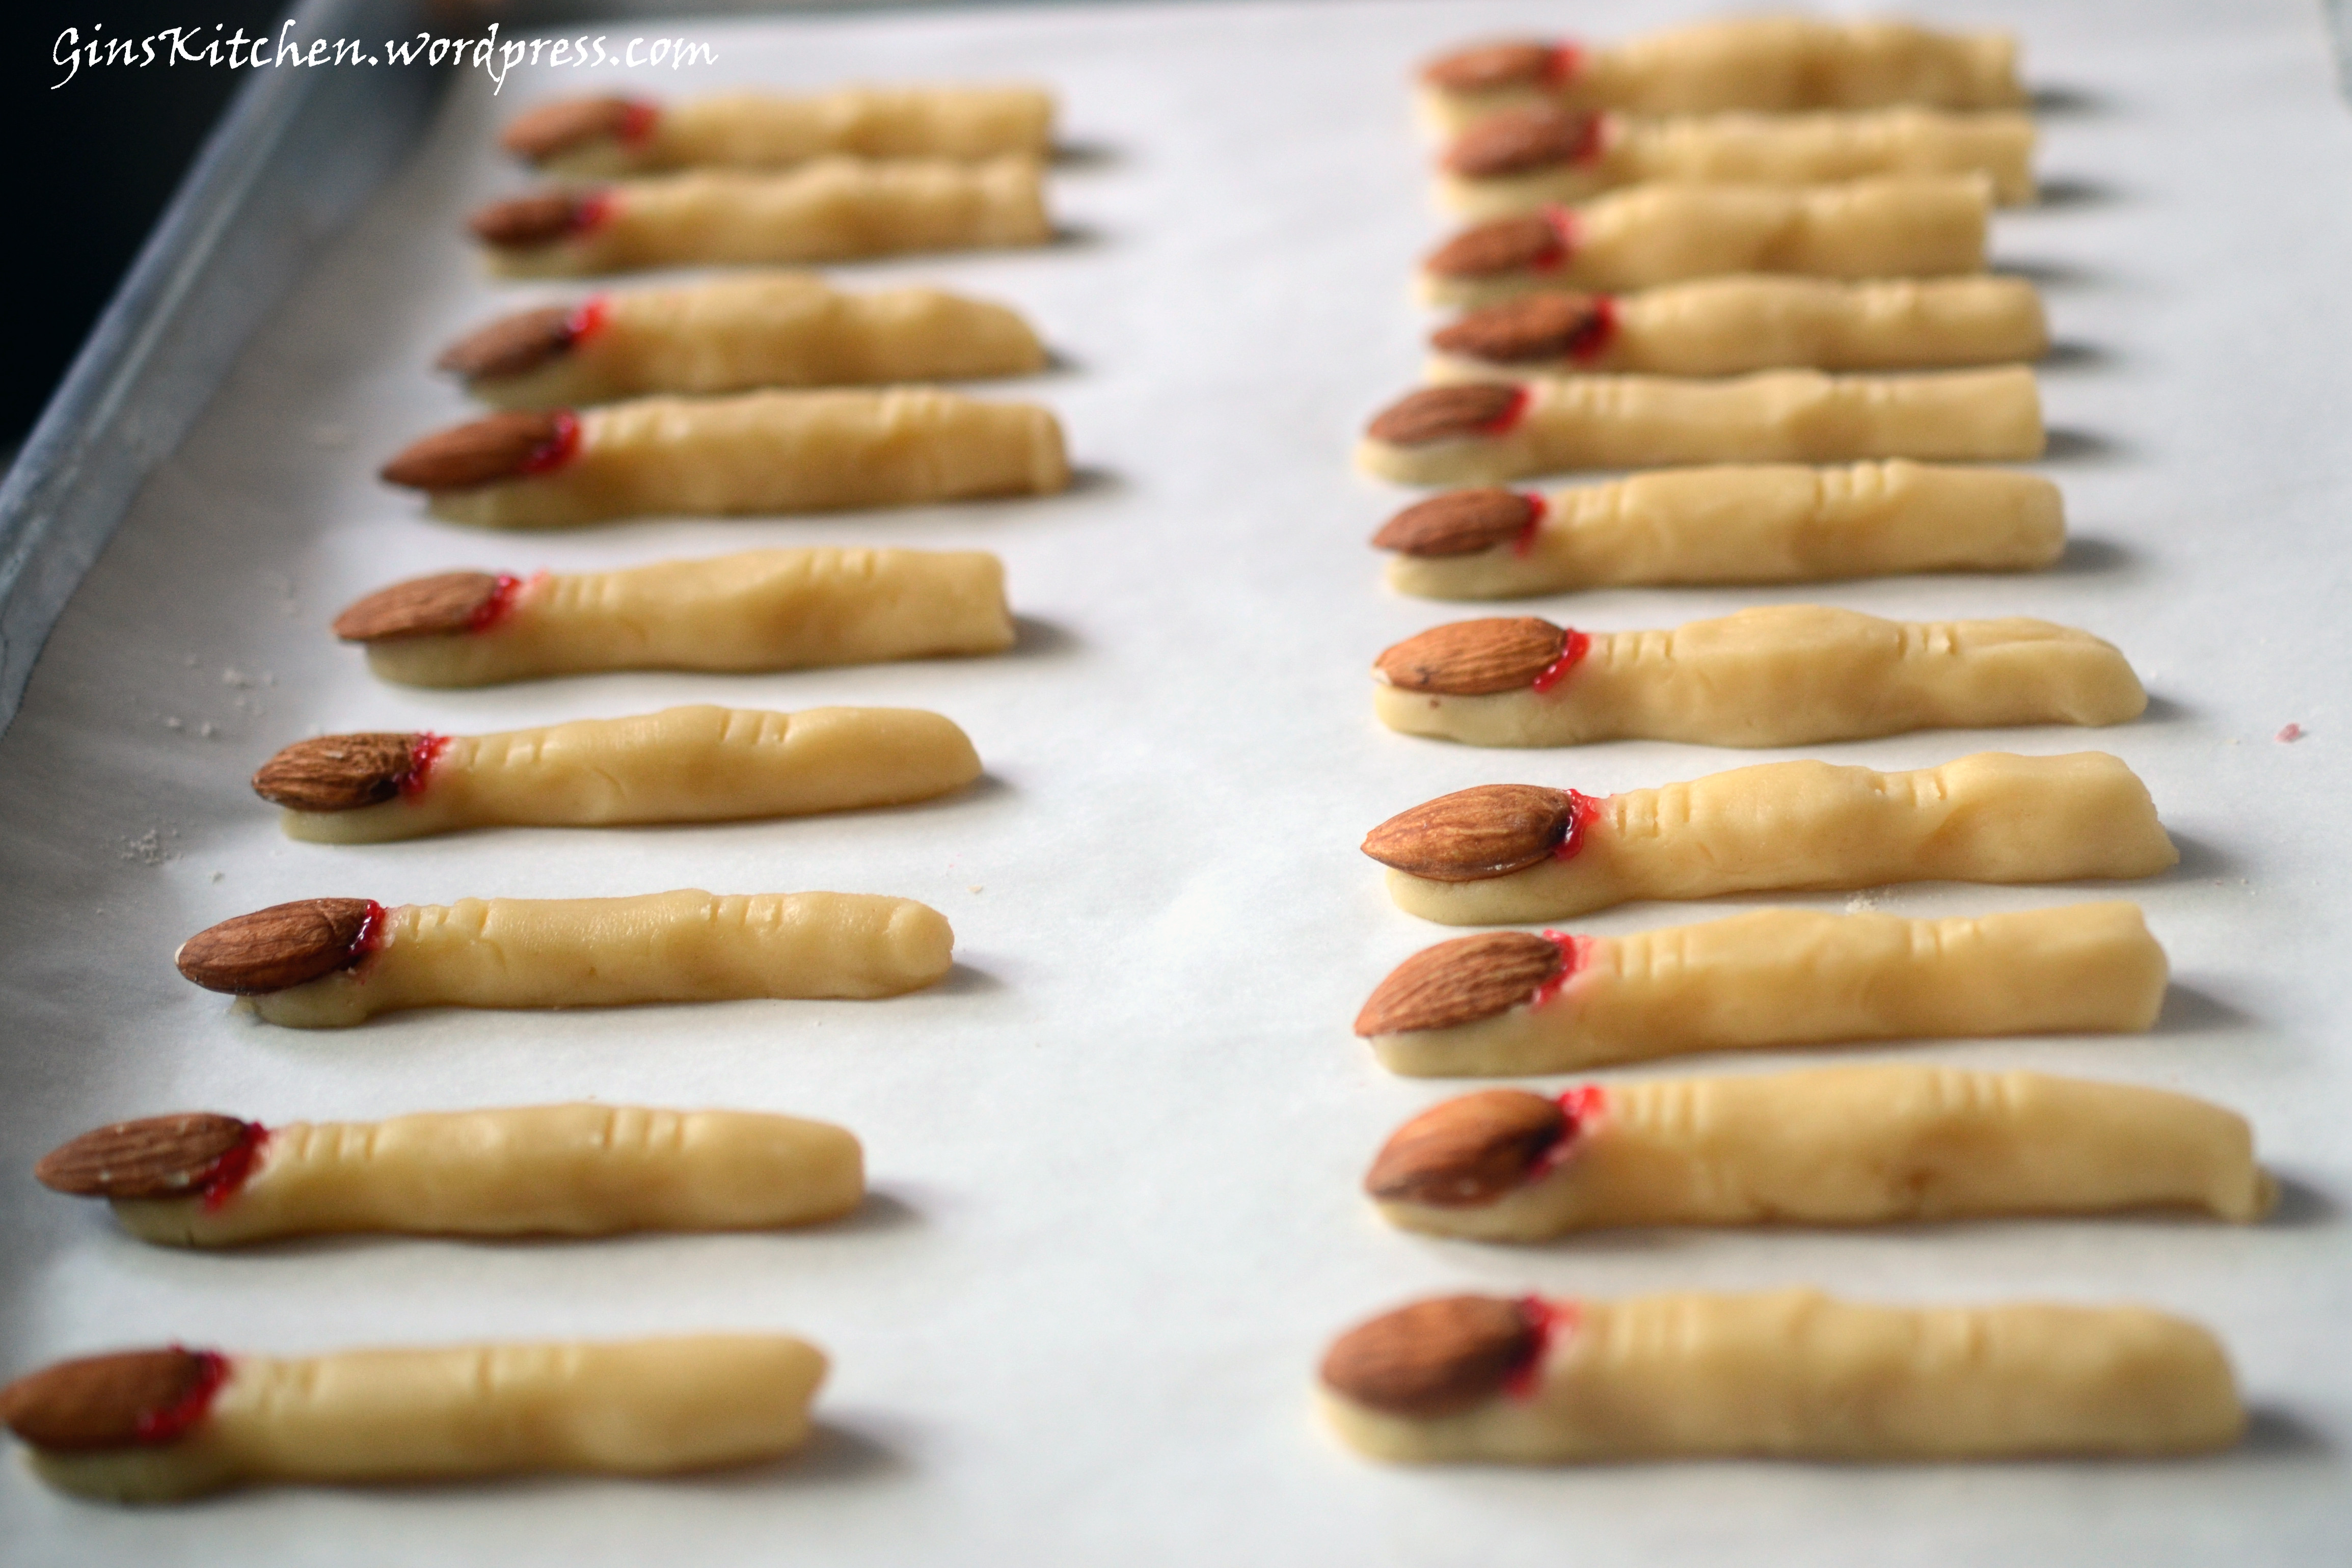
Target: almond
x=1473, y=834
x=1486, y=67
x=1498, y=245
x=557, y=127
x=1536, y=327
x=521, y=222
x=1459, y=522
x=104, y=1401
x=479, y=452
x=422, y=606
x=1475, y=658
x=272, y=949
x=1516, y=141
x=1433, y=1358
x=337, y=772
x=1444, y=414
x=155, y=1157
x=1467, y=1152
x=1460, y=981
x=511, y=346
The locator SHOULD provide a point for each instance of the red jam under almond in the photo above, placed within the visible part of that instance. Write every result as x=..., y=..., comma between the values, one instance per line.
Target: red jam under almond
x=586, y=320
x=1598, y=332
x=1582, y=1109
x=1572, y=648
x=424, y=749
x=1572, y=949
x=223, y=1177
x=637, y=121
x=1513, y=412
x=172, y=1422
x=1537, y=509
x=1584, y=811
x=502, y=599
x=1567, y=60
x=591, y=211
x=558, y=448
x=1563, y=228
x=371, y=936
x=1551, y=1322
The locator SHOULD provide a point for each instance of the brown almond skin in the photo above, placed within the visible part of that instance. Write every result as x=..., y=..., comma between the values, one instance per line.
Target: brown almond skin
x=524, y=222
x=95, y=1402
x=1442, y=414
x=272, y=949
x=479, y=452
x=1433, y=1358
x=1474, y=658
x=510, y=346
x=420, y=608
x=155, y=1157
x=1516, y=141
x=337, y=772
x=1498, y=245
x=1469, y=1151
x=1473, y=834
x=1537, y=327
x=553, y=129
x=1459, y=522
x=1486, y=67
x=1460, y=981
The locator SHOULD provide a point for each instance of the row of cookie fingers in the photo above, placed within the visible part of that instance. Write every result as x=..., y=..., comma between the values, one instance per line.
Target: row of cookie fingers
x=1738, y=315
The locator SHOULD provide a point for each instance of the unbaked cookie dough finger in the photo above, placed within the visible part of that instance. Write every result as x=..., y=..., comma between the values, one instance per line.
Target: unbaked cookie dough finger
x=1519, y=160
x=1671, y=231
x=835, y=209
x=1727, y=326
x=1727, y=523
x=203, y=1180
x=737, y=334
x=327, y=963
x=161, y=1424
x=758, y=610
x=1852, y=1145
x=598, y=138
x=1781, y=675
x=1790, y=1374
x=1484, y=433
x=1772, y=64
x=759, y=452
x=1502, y=853
x=1513, y=1002
x=682, y=764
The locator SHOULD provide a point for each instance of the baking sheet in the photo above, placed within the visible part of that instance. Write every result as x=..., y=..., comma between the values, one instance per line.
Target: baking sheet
x=1115, y=1155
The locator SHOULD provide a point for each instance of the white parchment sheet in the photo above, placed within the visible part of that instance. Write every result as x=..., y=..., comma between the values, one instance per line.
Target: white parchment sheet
x=1116, y=1155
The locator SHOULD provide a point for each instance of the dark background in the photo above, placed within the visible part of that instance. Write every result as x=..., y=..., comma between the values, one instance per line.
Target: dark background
x=99, y=159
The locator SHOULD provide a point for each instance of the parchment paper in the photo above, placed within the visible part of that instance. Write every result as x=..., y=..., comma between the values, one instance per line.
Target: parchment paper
x=1116, y=1217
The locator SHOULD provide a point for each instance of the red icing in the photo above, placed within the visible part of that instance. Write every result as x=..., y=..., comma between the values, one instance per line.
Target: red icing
x=1572, y=954
x=637, y=121
x=1537, y=509
x=1598, y=332
x=590, y=210
x=1582, y=812
x=1567, y=60
x=224, y=1177
x=558, y=450
x=1589, y=145
x=1573, y=647
x=371, y=936
x=1516, y=410
x=1553, y=1323
x=587, y=320
x=1563, y=228
x=173, y=1420
x=423, y=749
x=501, y=601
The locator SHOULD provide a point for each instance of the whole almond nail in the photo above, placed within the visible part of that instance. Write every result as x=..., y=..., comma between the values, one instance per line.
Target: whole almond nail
x=1517, y=141
x=1469, y=1151
x=1460, y=981
x=1475, y=658
x=272, y=949
x=155, y=1157
x=337, y=772
x=1433, y=1358
x=1533, y=326
x=422, y=606
x=1498, y=246
x=1473, y=834
x=1459, y=522
x=511, y=346
x=1486, y=67
x=480, y=452
x=522, y=222
x=102, y=1401
x=1444, y=414
x=544, y=133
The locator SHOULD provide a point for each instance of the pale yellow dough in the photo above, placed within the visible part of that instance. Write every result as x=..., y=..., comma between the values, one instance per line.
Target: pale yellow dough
x=758, y=610
x=782, y=328
x=1573, y=422
x=1787, y=977
x=1991, y=818
x=1764, y=150
x=682, y=764
x=1774, y=64
x=686, y=946
x=1795, y=1374
x=762, y=131
x=1727, y=326
x=778, y=452
x=1671, y=233
x=1789, y=674
x=1872, y=1145
x=835, y=209
x=636, y=1407
x=543, y=1169
x=1780, y=523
